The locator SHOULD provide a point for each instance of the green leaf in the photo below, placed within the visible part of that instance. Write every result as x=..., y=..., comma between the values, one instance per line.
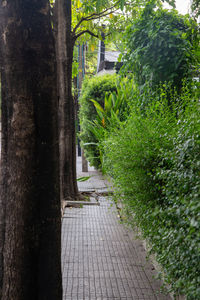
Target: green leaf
x=97, y=105
x=85, y=178
x=122, y=2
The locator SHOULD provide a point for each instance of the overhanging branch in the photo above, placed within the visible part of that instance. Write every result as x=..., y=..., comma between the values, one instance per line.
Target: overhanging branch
x=85, y=31
x=89, y=32
x=95, y=16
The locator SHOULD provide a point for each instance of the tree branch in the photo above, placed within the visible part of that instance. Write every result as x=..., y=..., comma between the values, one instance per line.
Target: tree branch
x=95, y=16
x=85, y=31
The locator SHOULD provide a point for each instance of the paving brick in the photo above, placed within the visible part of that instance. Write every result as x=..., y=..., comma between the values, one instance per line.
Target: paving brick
x=100, y=258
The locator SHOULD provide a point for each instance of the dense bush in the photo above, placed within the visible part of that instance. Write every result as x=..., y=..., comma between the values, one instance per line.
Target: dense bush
x=113, y=113
x=154, y=161
x=99, y=116
x=161, y=45
x=94, y=88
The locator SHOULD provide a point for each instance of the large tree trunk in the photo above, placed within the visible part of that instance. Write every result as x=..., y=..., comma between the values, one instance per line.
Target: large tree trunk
x=67, y=139
x=30, y=223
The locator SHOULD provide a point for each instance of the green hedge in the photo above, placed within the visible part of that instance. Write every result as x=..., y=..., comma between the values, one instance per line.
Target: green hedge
x=161, y=45
x=93, y=88
x=155, y=161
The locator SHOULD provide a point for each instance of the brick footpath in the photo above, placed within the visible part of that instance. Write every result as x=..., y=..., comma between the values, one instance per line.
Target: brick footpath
x=100, y=257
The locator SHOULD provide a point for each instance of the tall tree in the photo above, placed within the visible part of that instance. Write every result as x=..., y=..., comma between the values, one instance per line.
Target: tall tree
x=30, y=203
x=65, y=46
x=68, y=31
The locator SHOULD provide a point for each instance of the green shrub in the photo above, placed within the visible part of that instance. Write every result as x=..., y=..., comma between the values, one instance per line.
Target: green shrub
x=99, y=116
x=154, y=160
x=161, y=46
x=93, y=88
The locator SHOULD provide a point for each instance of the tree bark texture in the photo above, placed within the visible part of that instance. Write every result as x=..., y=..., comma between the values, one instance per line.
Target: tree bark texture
x=67, y=137
x=30, y=226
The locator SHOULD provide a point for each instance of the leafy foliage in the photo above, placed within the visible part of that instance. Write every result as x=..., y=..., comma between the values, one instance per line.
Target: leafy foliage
x=154, y=160
x=196, y=7
x=93, y=89
x=111, y=115
x=161, y=46
x=101, y=116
